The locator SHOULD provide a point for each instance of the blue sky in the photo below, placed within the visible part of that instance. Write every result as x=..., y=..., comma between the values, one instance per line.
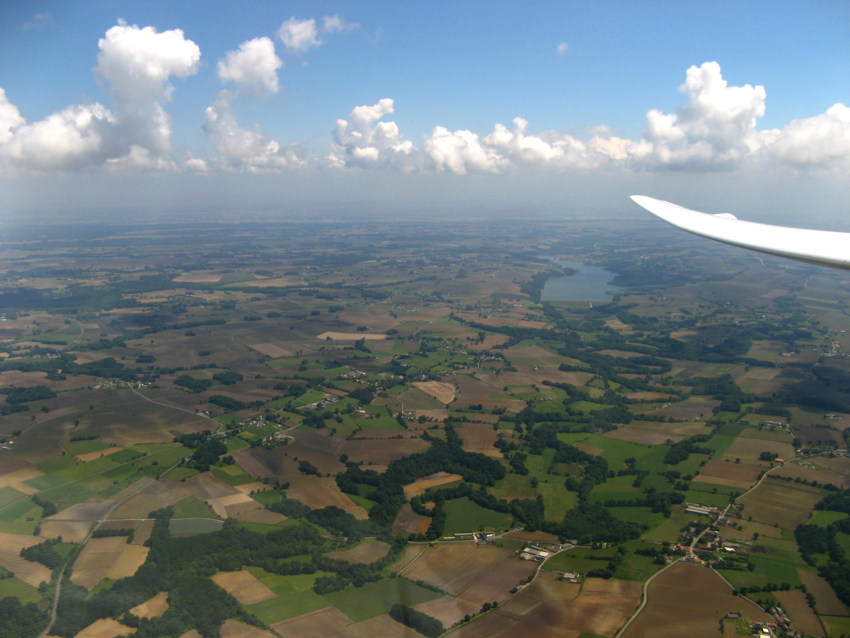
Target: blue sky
x=264, y=104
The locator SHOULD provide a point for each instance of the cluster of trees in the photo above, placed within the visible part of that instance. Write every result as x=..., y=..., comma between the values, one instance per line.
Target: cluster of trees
x=681, y=450
x=815, y=541
x=423, y=623
x=44, y=553
x=24, y=621
x=443, y=456
x=192, y=384
x=207, y=448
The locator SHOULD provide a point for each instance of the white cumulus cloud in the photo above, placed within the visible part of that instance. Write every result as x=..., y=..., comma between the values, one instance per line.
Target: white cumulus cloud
x=335, y=24
x=716, y=129
x=364, y=140
x=299, y=35
x=253, y=66
x=816, y=142
x=244, y=148
x=138, y=64
x=562, y=48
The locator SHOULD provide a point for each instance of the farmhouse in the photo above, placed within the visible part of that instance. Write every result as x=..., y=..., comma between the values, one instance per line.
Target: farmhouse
x=535, y=553
x=702, y=510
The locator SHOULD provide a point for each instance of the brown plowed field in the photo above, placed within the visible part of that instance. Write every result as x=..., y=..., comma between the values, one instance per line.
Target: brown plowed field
x=161, y=494
x=448, y=610
x=826, y=602
x=793, y=470
x=243, y=586
x=475, y=574
x=409, y=522
x=774, y=502
x=481, y=438
x=742, y=475
x=321, y=491
x=798, y=610
x=381, y=452
x=16, y=479
x=688, y=600
x=70, y=531
x=327, y=623
x=382, y=627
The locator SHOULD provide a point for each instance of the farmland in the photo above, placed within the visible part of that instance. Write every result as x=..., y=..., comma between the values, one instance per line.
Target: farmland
x=324, y=417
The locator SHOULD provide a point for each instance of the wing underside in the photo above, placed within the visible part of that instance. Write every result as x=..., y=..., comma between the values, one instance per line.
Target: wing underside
x=815, y=246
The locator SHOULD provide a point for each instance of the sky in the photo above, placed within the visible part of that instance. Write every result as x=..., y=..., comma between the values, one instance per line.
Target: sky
x=155, y=109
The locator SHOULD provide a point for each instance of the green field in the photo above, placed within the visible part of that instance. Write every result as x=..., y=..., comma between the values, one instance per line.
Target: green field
x=374, y=599
x=232, y=475
x=20, y=590
x=187, y=526
x=462, y=515
x=617, y=488
x=825, y=517
x=580, y=560
x=9, y=495
x=642, y=515
x=191, y=507
x=294, y=596
x=557, y=500
x=21, y=510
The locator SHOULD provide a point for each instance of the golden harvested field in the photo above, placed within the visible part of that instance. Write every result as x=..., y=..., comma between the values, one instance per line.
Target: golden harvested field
x=237, y=629
x=253, y=512
x=153, y=607
x=108, y=557
x=16, y=479
x=349, y=336
x=10, y=558
x=654, y=433
x=243, y=586
x=688, y=600
x=798, y=610
x=409, y=522
x=826, y=602
x=432, y=480
x=106, y=628
x=329, y=622
x=365, y=553
x=441, y=391
x=741, y=475
x=776, y=502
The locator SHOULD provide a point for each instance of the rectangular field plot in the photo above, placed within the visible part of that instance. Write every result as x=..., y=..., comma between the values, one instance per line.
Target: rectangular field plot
x=776, y=503
x=462, y=515
x=374, y=599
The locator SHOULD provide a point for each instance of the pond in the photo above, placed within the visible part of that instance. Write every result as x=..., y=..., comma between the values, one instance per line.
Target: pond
x=590, y=283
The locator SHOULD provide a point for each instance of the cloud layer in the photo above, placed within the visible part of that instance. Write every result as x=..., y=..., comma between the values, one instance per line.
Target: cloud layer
x=715, y=128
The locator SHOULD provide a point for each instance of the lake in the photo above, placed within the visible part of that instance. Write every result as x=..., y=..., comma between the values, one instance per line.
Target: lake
x=590, y=283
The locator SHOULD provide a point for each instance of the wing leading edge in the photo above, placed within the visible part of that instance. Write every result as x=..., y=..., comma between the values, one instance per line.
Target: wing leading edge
x=815, y=246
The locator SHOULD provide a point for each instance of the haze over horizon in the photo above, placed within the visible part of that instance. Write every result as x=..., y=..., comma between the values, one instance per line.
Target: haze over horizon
x=153, y=109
